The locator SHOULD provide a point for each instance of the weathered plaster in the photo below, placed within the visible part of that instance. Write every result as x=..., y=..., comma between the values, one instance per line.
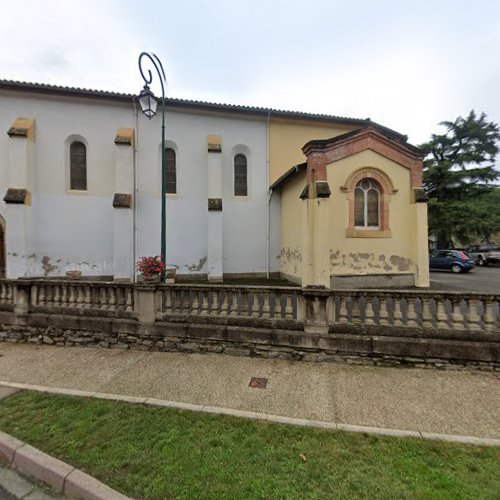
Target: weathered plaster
x=368, y=263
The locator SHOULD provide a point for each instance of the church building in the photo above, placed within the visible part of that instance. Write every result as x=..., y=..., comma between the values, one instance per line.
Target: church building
x=319, y=200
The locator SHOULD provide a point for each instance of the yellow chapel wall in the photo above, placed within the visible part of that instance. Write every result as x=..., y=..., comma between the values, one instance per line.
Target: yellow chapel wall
x=292, y=209
x=362, y=256
x=286, y=138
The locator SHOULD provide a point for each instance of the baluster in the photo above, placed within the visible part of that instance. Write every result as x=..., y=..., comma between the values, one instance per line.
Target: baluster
x=266, y=307
x=289, y=306
x=411, y=312
x=343, y=310
x=243, y=296
x=129, y=299
x=56, y=298
x=441, y=314
x=233, y=305
x=216, y=294
x=195, y=303
x=48, y=295
x=383, y=313
x=80, y=297
x=112, y=298
x=457, y=318
x=489, y=314
x=426, y=312
x=103, y=298
x=88, y=298
x=34, y=294
x=41, y=297
x=473, y=319
x=355, y=309
x=224, y=297
x=369, y=310
x=204, y=302
x=397, y=304
x=64, y=295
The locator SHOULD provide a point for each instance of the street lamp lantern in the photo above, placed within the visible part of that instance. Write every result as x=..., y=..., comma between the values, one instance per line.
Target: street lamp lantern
x=148, y=102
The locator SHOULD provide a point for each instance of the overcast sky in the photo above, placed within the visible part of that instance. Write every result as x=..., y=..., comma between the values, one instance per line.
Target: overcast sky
x=405, y=64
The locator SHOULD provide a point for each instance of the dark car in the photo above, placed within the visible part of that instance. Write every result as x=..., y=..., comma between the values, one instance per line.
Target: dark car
x=456, y=261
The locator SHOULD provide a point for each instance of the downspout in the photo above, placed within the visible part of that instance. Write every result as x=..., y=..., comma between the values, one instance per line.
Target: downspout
x=269, y=194
x=134, y=197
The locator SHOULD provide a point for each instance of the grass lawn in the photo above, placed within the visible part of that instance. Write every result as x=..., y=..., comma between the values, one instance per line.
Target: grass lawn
x=150, y=452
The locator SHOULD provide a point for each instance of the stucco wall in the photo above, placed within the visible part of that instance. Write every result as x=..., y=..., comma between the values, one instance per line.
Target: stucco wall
x=292, y=214
x=74, y=230
x=392, y=255
x=286, y=138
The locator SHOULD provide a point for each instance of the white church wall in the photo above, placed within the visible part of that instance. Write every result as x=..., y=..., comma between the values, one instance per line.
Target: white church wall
x=74, y=230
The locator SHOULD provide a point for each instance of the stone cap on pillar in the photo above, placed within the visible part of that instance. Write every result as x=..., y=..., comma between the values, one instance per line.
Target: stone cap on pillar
x=124, y=137
x=17, y=196
x=214, y=143
x=313, y=190
x=122, y=200
x=420, y=196
x=23, y=127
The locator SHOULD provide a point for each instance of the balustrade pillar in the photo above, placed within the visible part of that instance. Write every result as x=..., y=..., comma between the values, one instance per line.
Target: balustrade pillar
x=316, y=316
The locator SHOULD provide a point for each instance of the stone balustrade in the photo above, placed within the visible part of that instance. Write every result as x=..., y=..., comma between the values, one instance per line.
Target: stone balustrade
x=397, y=326
x=70, y=295
x=248, y=302
x=457, y=311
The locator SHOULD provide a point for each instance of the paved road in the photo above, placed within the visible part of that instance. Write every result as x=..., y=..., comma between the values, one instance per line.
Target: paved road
x=426, y=400
x=13, y=486
x=480, y=279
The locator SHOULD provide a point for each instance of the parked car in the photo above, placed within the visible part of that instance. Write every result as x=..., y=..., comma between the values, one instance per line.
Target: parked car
x=483, y=255
x=456, y=261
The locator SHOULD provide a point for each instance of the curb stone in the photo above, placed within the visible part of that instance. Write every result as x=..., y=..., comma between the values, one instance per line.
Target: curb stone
x=60, y=476
x=321, y=424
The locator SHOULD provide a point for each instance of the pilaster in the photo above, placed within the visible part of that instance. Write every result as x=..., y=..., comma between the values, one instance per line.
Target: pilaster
x=316, y=224
x=18, y=211
x=123, y=236
x=214, y=191
x=421, y=243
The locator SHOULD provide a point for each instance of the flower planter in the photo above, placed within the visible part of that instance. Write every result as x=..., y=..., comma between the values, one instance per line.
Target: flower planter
x=170, y=275
x=142, y=278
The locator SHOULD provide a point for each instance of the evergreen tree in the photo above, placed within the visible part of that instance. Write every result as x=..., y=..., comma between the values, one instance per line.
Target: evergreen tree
x=460, y=180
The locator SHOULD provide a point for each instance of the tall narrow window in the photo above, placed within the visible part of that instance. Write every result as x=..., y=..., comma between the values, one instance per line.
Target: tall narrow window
x=78, y=166
x=170, y=169
x=367, y=205
x=240, y=175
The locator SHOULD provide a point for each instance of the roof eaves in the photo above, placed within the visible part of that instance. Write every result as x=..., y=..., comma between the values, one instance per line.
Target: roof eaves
x=187, y=103
x=289, y=174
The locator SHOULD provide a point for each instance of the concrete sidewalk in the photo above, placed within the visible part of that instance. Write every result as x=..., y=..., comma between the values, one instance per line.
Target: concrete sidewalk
x=423, y=400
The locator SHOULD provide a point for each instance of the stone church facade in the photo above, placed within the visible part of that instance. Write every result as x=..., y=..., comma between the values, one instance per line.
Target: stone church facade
x=320, y=200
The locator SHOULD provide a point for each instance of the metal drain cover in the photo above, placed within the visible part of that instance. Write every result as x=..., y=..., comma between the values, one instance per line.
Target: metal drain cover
x=258, y=383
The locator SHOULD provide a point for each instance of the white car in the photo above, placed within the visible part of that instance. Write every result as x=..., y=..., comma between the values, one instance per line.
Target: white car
x=483, y=255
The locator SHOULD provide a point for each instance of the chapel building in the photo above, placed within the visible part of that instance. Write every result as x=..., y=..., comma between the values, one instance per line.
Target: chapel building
x=320, y=200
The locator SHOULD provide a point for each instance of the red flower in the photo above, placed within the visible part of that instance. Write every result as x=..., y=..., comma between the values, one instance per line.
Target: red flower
x=150, y=266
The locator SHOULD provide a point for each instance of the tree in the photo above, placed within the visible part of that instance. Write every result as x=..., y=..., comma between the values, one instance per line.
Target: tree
x=459, y=178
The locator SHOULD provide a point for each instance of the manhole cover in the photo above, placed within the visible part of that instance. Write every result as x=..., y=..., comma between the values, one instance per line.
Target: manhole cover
x=258, y=383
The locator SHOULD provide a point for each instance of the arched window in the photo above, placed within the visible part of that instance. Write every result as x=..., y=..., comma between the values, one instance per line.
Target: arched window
x=78, y=166
x=240, y=175
x=170, y=169
x=367, y=205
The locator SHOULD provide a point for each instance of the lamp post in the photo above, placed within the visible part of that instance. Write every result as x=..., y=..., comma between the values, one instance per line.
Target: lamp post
x=149, y=104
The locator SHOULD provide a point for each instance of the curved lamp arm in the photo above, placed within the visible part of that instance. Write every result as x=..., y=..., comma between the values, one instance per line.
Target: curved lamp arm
x=153, y=58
